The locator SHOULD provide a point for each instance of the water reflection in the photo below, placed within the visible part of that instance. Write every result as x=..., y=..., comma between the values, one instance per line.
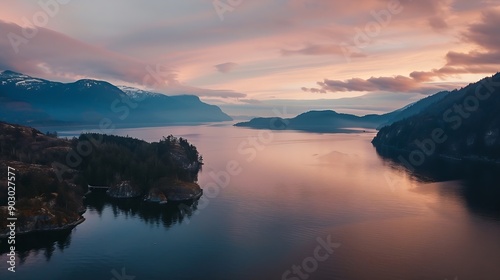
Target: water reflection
x=35, y=244
x=47, y=243
x=150, y=213
x=478, y=181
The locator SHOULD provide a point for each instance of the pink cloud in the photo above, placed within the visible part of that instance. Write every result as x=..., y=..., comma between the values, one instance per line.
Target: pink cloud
x=52, y=55
x=374, y=84
x=484, y=34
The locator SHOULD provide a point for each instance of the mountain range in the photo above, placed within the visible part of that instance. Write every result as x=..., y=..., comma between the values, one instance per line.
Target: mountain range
x=34, y=101
x=331, y=121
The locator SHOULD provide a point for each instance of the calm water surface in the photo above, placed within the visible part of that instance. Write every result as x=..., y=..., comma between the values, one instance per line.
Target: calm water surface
x=292, y=188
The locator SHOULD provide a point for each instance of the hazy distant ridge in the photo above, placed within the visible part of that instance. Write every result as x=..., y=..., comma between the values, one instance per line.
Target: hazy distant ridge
x=331, y=121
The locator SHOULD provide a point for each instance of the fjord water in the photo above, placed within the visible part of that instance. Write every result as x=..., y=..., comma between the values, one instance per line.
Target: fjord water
x=292, y=188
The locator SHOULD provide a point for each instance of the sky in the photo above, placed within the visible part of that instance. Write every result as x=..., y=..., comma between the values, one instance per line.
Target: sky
x=364, y=56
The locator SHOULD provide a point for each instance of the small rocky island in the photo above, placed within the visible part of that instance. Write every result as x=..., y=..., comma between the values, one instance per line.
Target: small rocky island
x=53, y=175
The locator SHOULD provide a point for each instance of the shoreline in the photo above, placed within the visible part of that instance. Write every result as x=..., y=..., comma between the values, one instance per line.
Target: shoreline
x=68, y=226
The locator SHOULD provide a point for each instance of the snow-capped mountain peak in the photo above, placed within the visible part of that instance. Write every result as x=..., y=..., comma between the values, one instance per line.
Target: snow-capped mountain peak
x=20, y=80
x=136, y=93
x=88, y=83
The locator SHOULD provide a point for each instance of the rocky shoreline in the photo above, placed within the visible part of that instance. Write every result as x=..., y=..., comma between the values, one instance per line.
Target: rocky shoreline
x=44, y=223
x=68, y=226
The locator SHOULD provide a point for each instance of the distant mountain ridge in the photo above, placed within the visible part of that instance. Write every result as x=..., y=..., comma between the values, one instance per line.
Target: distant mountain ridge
x=28, y=100
x=314, y=121
x=331, y=121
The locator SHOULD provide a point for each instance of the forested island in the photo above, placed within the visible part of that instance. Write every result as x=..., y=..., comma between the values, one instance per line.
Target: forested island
x=53, y=174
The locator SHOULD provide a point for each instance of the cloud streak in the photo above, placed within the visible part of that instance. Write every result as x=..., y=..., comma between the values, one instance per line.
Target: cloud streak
x=375, y=84
x=226, y=67
x=323, y=50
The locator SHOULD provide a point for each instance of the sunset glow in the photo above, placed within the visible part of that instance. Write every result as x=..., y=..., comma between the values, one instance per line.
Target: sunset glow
x=258, y=50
